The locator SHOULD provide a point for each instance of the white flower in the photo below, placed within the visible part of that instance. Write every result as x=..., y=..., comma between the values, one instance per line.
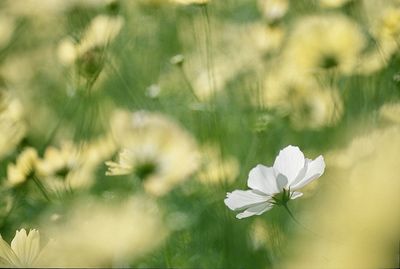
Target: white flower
x=275, y=185
x=24, y=250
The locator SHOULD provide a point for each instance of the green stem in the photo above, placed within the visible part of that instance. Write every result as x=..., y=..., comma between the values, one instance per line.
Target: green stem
x=167, y=259
x=41, y=188
x=295, y=220
x=187, y=81
x=209, y=56
x=291, y=214
x=13, y=207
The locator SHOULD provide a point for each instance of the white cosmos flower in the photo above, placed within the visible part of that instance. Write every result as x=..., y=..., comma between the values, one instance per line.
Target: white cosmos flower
x=23, y=252
x=275, y=185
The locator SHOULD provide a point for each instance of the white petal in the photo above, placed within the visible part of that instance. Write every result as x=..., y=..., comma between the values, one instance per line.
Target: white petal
x=289, y=162
x=255, y=210
x=301, y=174
x=18, y=244
x=8, y=255
x=239, y=200
x=26, y=247
x=262, y=178
x=281, y=181
x=295, y=195
x=315, y=169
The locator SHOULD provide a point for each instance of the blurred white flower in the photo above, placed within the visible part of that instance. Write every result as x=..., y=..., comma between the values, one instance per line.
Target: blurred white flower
x=273, y=9
x=322, y=43
x=102, y=234
x=72, y=167
x=154, y=148
x=390, y=112
x=191, y=2
x=89, y=53
x=7, y=27
x=24, y=250
x=333, y=3
x=23, y=168
x=275, y=185
x=12, y=125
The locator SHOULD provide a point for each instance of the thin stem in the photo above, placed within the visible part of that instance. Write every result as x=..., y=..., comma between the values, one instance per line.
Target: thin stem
x=209, y=56
x=14, y=205
x=295, y=220
x=187, y=81
x=41, y=188
x=291, y=214
x=167, y=259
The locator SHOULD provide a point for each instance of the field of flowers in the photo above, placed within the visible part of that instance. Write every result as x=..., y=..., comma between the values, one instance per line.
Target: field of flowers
x=200, y=133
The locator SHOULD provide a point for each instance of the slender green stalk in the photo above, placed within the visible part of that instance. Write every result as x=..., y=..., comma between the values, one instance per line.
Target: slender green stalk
x=167, y=256
x=209, y=56
x=295, y=220
x=188, y=83
x=41, y=188
x=13, y=207
x=291, y=214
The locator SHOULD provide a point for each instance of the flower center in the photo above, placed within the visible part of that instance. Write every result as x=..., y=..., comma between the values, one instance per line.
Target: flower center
x=282, y=198
x=145, y=169
x=63, y=172
x=328, y=62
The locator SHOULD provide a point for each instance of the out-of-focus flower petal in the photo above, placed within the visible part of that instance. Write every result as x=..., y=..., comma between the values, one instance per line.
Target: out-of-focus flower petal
x=7, y=255
x=296, y=195
x=26, y=246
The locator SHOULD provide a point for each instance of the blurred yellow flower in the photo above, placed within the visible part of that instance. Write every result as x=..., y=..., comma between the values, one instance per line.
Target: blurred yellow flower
x=96, y=151
x=266, y=38
x=66, y=168
x=24, y=251
x=102, y=30
x=273, y=9
x=362, y=227
x=89, y=52
x=217, y=169
x=12, y=125
x=390, y=112
x=191, y=2
x=100, y=234
x=302, y=98
x=155, y=149
x=383, y=19
x=7, y=26
x=24, y=167
x=330, y=42
x=41, y=8
x=320, y=108
x=333, y=3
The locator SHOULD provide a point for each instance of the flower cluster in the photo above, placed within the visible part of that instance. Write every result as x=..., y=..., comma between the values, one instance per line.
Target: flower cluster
x=125, y=125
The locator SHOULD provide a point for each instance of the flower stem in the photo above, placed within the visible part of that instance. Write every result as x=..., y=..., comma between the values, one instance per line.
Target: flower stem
x=291, y=214
x=208, y=44
x=295, y=220
x=187, y=81
x=14, y=205
x=41, y=187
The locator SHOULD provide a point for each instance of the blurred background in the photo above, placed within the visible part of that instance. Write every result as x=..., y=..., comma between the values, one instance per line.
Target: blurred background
x=123, y=124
